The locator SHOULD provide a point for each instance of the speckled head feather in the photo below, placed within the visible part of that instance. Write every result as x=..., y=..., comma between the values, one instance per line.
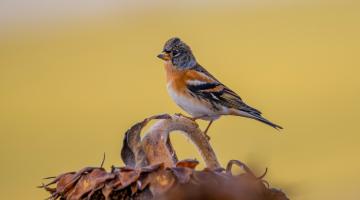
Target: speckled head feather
x=180, y=53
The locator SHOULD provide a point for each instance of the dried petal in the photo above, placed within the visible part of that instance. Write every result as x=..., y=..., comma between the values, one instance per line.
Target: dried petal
x=125, y=178
x=161, y=181
x=182, y=174
x=189, y=163
x=131, y=152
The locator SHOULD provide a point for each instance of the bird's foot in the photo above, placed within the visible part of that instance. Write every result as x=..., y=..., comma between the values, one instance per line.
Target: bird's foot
x=206, y=130
x=187, y=117
x=196, y=118
x=207, y=136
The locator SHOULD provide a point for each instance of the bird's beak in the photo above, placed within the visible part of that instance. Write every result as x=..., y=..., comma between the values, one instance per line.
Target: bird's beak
x=164, y=56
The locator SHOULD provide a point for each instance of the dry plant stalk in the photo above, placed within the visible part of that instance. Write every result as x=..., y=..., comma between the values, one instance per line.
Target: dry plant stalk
x=153, y=171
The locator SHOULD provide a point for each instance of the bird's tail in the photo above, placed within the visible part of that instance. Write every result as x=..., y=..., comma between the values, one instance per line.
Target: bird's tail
x=255, y=114
x=263, y=120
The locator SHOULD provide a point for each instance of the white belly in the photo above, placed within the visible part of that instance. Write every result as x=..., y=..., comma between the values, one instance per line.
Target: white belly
x=193, y=107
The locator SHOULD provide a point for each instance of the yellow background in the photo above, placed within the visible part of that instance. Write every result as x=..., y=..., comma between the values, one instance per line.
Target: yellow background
x=70, y=89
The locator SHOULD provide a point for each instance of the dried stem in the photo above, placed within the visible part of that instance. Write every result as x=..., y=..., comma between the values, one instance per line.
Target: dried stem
x=156, y=143
x=152, y=171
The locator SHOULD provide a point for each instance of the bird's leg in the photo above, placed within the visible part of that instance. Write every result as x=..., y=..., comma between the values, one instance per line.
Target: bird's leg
x=199, y=117
x=181, y=115
x=196, y=118
x=208, y=126
x=206, y=130
x=191, y=118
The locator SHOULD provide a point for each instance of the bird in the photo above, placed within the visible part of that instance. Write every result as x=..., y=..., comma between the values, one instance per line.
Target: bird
x=197, y=91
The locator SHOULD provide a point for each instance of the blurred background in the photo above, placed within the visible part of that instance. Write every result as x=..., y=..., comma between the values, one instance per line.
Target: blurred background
x=75, y=75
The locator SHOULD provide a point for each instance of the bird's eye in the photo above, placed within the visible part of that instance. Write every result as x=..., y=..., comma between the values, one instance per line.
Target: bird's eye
x=175, y=53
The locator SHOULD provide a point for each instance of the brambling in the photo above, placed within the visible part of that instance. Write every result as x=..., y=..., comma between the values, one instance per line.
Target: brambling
x=198, y=92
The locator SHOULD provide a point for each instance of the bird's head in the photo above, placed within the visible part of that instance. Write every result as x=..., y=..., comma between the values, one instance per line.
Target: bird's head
x=178, y=53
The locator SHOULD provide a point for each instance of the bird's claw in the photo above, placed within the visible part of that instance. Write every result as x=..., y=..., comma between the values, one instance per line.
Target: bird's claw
x=181, y=115
x=194, y=119
x=207, y=137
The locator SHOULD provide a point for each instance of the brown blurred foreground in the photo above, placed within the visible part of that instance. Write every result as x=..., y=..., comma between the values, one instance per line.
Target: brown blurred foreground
x=153, y=171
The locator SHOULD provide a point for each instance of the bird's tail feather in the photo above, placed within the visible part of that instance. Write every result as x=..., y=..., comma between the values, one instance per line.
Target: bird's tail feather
x=257, y=116
x=263, y=120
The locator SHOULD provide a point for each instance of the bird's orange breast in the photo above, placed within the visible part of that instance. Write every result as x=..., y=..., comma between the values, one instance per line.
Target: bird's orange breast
x=177, y=78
